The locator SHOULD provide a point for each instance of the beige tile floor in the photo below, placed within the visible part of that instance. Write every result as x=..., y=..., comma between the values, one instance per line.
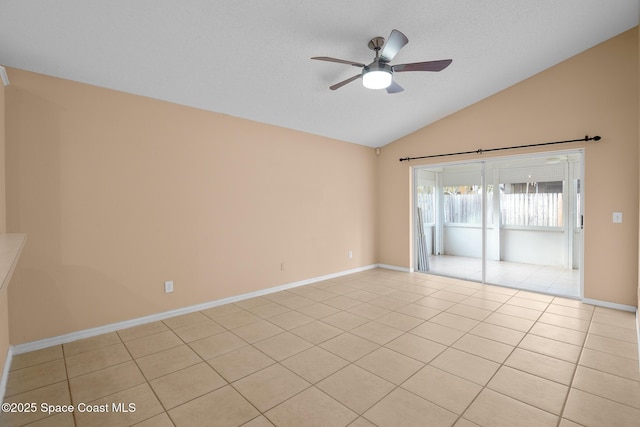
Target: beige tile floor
x=377, y=348
x=532, y=277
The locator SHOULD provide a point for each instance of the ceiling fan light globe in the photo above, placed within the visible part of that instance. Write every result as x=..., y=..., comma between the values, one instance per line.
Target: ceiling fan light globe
x=377, y=79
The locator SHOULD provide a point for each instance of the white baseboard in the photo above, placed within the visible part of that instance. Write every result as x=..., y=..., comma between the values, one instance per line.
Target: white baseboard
x=396, y=268
x=608, y=304
x=88, y=333
x=5, y=373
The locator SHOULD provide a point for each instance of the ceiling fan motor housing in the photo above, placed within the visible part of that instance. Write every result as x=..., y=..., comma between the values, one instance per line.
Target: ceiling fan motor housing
x=376, y=43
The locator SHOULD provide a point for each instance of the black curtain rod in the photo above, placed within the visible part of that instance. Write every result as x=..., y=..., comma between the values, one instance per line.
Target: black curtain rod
x=480, y=150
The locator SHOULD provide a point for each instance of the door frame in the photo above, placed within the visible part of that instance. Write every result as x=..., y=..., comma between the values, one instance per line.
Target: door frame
x=569, y=220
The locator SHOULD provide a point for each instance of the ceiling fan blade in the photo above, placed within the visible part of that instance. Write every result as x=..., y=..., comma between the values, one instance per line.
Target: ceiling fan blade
x=392, y=46
x=344, y=82
x=423, y=66
x=394, y=88
x=340, y=61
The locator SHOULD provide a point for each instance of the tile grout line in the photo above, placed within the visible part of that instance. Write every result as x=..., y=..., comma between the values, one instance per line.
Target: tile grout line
x=66, y=371
x=575, y=369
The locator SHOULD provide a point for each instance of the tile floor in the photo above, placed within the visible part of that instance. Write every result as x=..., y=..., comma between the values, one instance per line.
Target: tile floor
x=376, y=348
x=531, y=277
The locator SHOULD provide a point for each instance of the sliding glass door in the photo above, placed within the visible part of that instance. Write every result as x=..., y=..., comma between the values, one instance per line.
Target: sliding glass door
x=512, y=221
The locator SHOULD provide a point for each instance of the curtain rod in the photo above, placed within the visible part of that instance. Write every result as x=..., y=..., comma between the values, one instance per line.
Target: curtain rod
x=480, y=150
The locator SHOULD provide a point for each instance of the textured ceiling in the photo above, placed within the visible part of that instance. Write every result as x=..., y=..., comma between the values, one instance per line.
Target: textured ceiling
x=250, y=58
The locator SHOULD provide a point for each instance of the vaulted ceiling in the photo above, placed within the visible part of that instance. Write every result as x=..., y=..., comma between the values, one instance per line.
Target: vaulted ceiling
x=251, y=58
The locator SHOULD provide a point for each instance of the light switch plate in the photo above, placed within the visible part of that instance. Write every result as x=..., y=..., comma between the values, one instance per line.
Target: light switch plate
x=617, y=217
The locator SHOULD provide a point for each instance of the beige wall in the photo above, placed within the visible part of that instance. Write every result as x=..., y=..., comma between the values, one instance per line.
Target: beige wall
x=594, y=93
x=3, y=206
x=118, y=193
x=4, y=306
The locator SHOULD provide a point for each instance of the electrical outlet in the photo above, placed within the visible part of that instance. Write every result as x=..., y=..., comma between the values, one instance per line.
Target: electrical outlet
x=617, y=217
x=350, y=254
x=168, y=286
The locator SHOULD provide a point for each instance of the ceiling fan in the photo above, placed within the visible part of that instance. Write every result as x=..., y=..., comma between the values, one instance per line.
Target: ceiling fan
x=379, y=74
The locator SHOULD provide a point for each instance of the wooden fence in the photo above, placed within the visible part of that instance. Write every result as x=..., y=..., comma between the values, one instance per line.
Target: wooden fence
x=534, y=210
x=531, y=210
